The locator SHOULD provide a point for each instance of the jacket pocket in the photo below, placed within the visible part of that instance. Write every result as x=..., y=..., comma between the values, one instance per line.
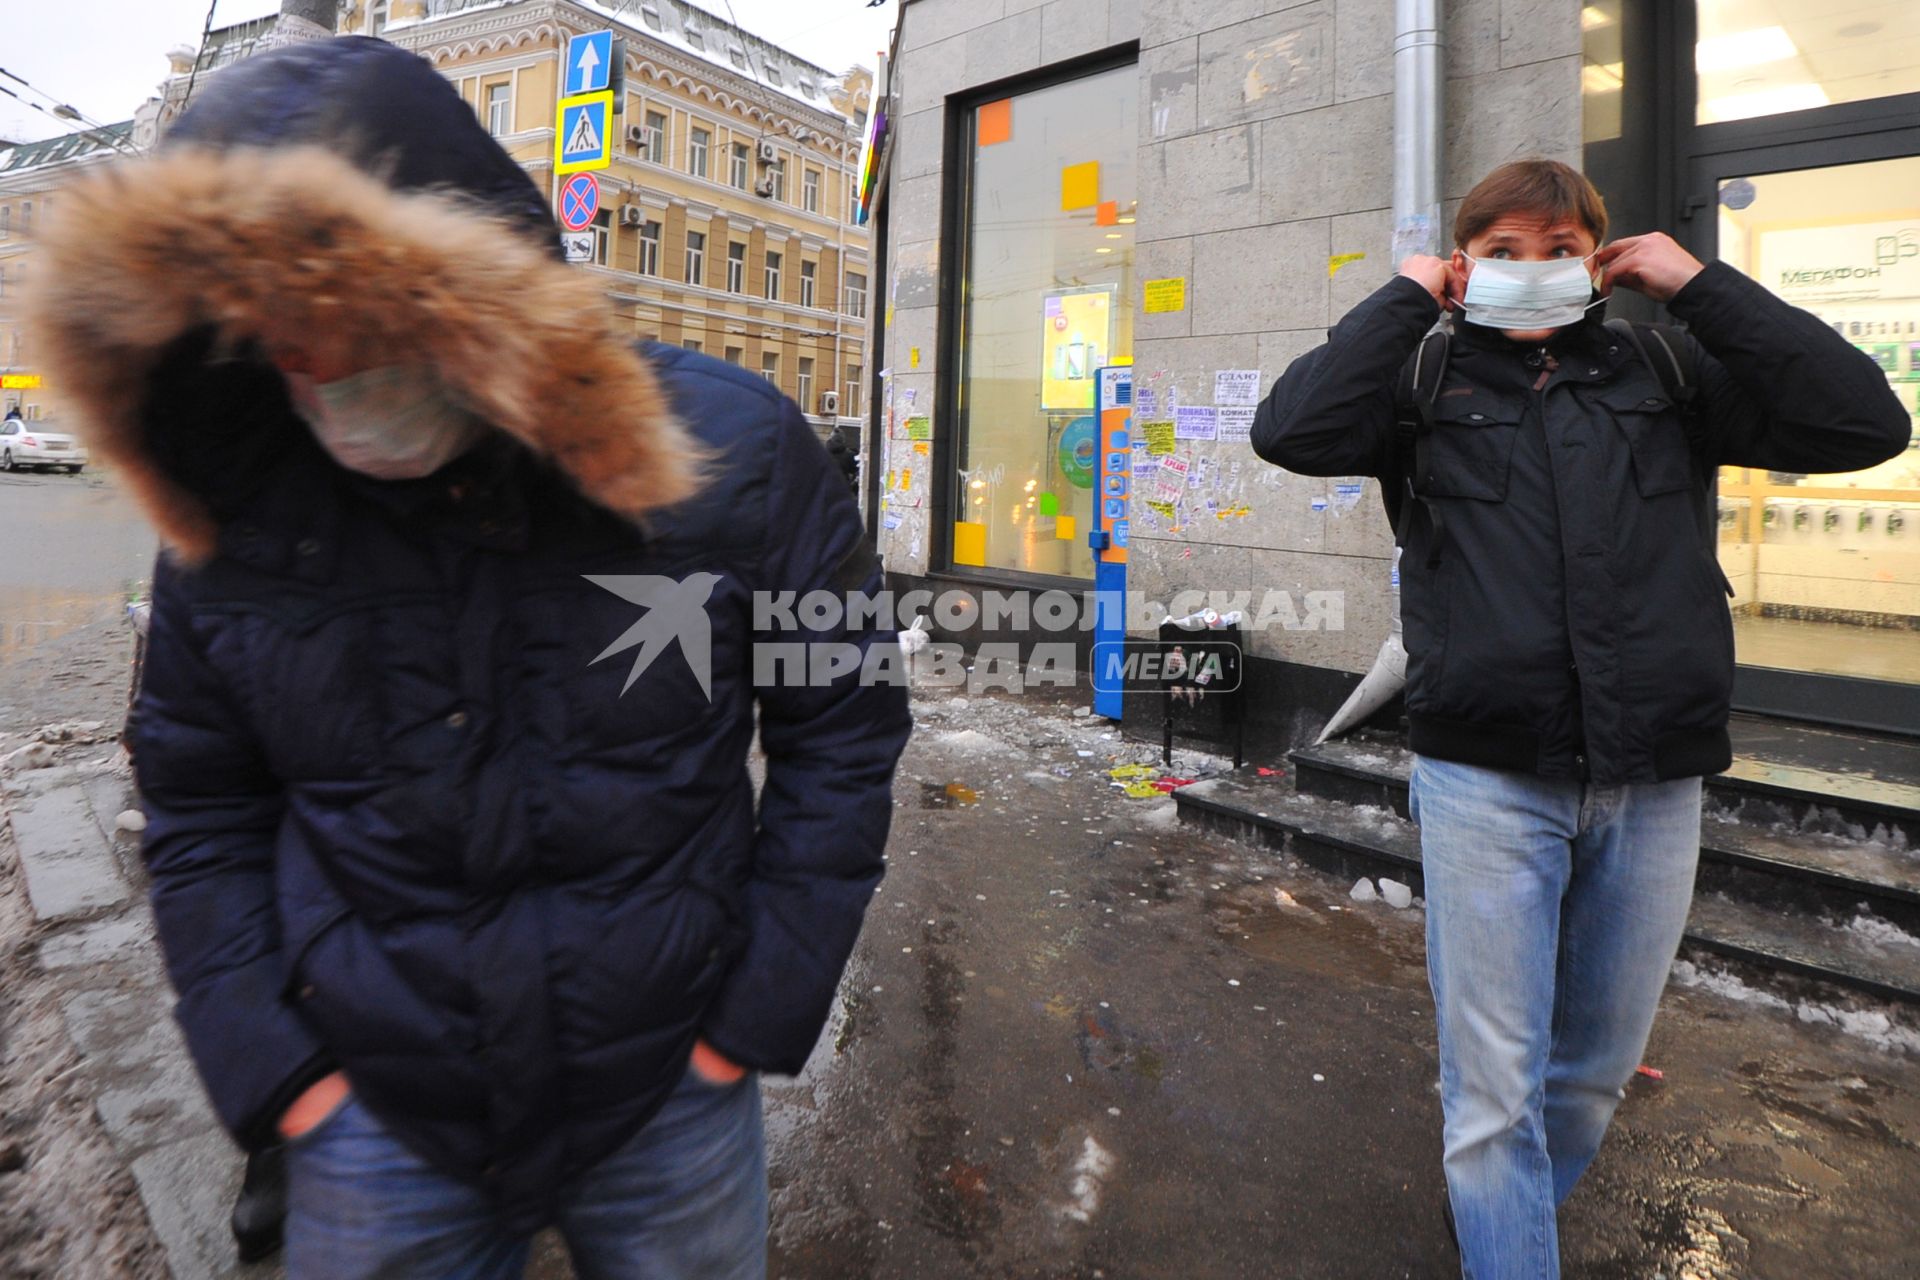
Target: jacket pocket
x=1469, y=453
x=1662, y=462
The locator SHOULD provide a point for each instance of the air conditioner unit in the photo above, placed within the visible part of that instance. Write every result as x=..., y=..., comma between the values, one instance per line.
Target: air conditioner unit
x=764, y=188
x=829, y=404
x=633, y=216
x=640, y=136
x=769, y=154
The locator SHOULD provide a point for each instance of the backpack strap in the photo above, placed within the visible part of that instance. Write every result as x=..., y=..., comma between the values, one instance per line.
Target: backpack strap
x=1418, y=390
x=1662, y=349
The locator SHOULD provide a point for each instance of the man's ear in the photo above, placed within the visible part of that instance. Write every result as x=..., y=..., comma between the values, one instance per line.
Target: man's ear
x=1462, y=265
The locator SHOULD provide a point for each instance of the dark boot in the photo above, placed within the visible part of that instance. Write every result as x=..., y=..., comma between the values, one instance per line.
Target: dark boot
x=261, y=1209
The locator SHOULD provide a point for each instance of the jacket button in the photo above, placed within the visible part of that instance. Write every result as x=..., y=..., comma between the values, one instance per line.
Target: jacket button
x=458, y=720
x=308, y=546
x=306, y=992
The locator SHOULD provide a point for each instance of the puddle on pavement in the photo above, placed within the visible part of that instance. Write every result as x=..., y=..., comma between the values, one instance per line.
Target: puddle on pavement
x=947, y=795
x=1841, y=1105
x=1305, y=936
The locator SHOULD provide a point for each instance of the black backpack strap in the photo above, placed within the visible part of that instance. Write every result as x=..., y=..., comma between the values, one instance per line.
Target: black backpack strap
x=1664, y=350
x=1419, y=388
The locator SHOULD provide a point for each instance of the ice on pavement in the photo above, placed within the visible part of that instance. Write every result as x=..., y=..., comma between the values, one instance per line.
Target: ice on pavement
x=1398, y=896
x=1362, y=890
x=1871, y=1025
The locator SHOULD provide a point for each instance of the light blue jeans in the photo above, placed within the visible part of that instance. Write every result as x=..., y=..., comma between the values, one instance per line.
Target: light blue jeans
x=687, y=1197
x=1554, y=910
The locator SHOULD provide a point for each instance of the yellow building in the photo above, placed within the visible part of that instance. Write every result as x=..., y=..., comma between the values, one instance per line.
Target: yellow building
x=30, y=172
x=725, y=221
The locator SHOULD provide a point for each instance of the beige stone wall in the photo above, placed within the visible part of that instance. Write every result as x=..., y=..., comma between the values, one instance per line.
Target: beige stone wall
x=1265, y=150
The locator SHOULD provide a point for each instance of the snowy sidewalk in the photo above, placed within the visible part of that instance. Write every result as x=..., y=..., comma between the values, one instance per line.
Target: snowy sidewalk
x=94, y=941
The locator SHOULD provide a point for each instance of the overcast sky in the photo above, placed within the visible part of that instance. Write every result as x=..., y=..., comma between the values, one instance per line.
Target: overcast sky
x=106, y=57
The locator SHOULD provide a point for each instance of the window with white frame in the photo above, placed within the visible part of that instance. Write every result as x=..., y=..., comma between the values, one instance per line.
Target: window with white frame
x=856, y=293
x=602, y=229
x=808, y=272
x=696, y=39
x=377, y=21
x=654, y=147
x=737, y=56
x=736, y=267
x=810, y=191
x=736, y=355
x=699, y=142
x=777, y=171
x=649, y=248
x=803, y=384
x=696, y=257
x=770, y=367
x=691, y=344
x=773, y=277
x=850, y=402
x=500, y=109
x=740, y=165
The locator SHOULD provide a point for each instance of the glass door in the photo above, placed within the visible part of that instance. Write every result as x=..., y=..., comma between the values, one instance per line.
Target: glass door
x=1826, y=568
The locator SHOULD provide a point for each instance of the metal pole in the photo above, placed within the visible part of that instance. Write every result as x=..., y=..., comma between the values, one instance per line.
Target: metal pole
x=1419, y=172
x=1419, y=127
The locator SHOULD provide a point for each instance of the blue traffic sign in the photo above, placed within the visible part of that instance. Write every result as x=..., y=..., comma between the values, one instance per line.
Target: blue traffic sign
x=590, y=63
x=579, y=201
x=583, y=137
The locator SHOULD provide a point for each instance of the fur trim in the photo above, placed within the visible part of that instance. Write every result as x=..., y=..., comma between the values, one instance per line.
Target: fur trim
x=300, y=250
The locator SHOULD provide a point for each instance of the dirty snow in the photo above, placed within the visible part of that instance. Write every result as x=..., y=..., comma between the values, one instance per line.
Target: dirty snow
x=1090, y=1172
x=1873, y=1026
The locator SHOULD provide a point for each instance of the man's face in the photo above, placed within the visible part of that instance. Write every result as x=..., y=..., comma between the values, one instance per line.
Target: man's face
x=1525, y=238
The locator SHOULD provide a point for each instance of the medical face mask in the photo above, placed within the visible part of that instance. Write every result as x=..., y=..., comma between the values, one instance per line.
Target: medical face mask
x=396, y=422
x=1502, y=294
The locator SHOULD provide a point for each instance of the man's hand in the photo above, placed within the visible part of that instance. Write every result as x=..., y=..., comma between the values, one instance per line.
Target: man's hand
x=711, y=1066
x=1437, y=277
x=313, y=1106
x=1651, y=264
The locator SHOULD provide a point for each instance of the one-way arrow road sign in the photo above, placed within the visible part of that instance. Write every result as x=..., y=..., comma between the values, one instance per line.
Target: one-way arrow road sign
x=590, y=63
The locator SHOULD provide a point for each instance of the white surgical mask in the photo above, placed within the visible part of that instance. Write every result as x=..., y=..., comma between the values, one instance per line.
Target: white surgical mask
x=396, y=422
x=1503, y=294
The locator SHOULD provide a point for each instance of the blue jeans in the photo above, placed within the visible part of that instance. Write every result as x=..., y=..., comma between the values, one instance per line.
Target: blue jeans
x=687, y=1197
x=1554, y=910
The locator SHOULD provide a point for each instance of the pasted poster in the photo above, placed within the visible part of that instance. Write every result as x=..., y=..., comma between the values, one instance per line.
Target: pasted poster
x=1076, y=340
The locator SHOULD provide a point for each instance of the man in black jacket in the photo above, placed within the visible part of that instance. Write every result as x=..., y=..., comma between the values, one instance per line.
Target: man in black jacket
x=1570, y=652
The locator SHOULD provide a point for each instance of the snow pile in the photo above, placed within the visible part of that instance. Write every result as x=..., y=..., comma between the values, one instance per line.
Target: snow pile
x=1871, y=1025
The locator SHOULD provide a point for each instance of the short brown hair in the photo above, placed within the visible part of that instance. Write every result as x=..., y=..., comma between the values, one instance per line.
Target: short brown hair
x=1547, y=188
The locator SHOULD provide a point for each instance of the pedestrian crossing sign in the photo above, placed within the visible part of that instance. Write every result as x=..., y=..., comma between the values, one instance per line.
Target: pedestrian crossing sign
x=583, y=134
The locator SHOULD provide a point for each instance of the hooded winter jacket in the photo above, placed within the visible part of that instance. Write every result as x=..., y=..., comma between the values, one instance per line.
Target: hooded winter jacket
x=447, y=779
x=1564, y=610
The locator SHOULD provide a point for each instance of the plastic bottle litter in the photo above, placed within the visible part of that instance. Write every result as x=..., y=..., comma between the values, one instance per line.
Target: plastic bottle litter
x=1363, y=890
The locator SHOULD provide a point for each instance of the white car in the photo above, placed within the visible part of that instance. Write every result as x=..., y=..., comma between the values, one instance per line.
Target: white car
x=22, y=444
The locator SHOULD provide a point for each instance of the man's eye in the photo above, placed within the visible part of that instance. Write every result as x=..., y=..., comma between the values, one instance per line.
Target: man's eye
x=1562, y=252
x=1501, y=254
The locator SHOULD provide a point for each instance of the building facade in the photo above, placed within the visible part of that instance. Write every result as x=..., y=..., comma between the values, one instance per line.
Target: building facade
x=1200, y=189
x=726, y=218
x=30, y=175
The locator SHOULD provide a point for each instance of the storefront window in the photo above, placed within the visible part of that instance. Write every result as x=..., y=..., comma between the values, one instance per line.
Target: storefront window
x=1769, y=57
x=1052, y=187
x=1826, y=568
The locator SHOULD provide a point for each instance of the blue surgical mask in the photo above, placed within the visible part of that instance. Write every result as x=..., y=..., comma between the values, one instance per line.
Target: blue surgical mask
x=1503, y=294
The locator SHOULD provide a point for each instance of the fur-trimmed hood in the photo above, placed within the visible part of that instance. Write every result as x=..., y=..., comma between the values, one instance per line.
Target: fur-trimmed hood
x=298, y=247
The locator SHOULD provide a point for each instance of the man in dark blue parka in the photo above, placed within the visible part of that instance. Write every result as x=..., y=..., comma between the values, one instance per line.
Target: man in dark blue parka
x=452, y=684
